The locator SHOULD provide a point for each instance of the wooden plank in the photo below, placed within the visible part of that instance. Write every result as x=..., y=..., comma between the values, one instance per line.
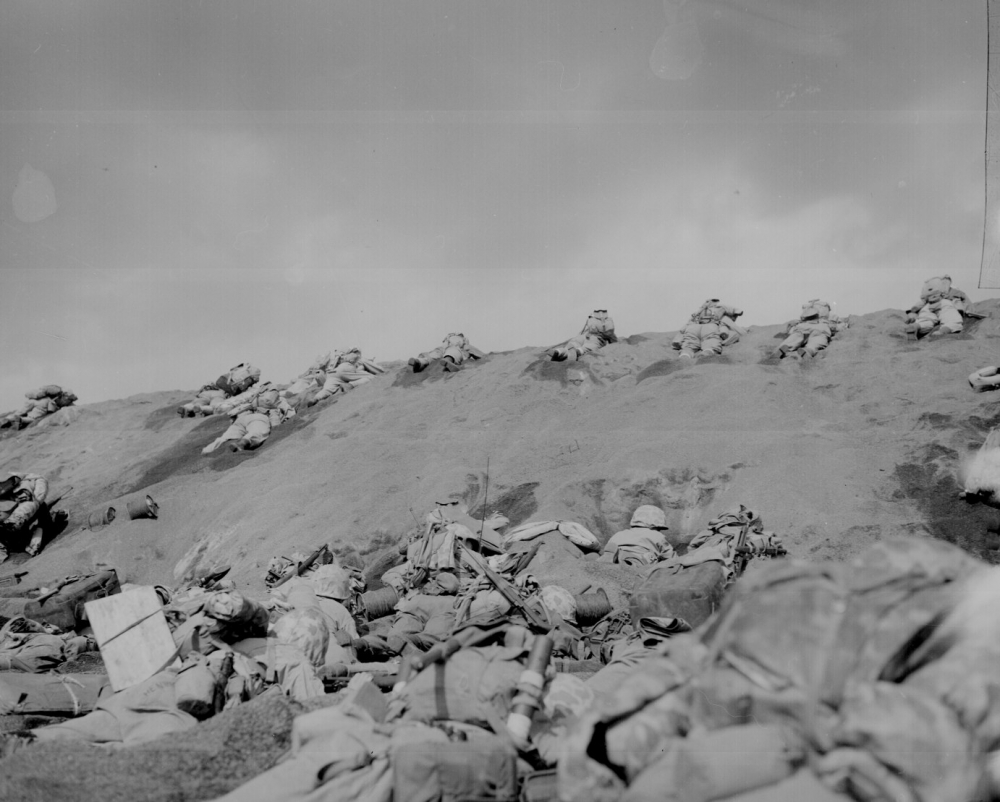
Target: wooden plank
x=132, y=634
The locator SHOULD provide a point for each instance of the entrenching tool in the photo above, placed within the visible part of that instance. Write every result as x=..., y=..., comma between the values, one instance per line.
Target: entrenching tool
x=13, y=579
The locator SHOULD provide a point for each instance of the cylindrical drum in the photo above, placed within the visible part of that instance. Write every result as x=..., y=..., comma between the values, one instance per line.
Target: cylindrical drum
x=379, y=603
x=100, y=518
x=143, y=507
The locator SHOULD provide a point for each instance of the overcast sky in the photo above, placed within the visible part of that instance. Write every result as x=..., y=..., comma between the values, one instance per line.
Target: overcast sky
x=193, y=184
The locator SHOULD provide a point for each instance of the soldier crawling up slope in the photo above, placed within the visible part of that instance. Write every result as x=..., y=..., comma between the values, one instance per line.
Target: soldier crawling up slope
x=452, y=352
x=710, y=329
x=329, y=375
x=598, y=331
x=253, y=420
x=942, y=309
x=41, y=403
x=812, y=332
x=212, y=398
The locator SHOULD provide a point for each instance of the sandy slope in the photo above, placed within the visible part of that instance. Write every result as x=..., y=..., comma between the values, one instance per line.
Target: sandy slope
x=833, y=452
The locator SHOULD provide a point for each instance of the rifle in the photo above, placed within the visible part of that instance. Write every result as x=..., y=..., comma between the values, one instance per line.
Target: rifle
x=302, y=567
x=478, y=564
x=486, y=495
x=745, y=552
x=742, y=550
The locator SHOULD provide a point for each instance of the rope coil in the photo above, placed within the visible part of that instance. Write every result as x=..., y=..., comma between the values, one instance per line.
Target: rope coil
x=379, y=603
x=592, y=607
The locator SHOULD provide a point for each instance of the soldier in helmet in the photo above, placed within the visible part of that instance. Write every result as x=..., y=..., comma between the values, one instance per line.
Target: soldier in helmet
x=813, y=331
x=942, y=309
x=346, y=371
x=711, y=328
x=253, y=421
x=452, y=352
x=643, y=543
x=598, y=331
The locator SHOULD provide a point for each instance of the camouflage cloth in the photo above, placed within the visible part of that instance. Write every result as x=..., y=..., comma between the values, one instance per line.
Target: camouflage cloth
x=306, y=630
x=797, y=657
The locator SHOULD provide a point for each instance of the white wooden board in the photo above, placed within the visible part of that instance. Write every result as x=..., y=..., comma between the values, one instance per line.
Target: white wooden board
x=132, y=651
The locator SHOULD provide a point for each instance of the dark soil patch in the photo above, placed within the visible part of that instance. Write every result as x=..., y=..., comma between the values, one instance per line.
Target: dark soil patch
x=544, y=369
x=936, y=420
x=663, y=368
x=161, y=417
x=635, y=339
x=182, y=457
x=185, y=457
x=937, y=451
x=472, y=487
x=518, y=504
x=970, y=526
x=713, y=359
x=205, y=762
x=979, y=425
x=812, y=361
x=433, y=372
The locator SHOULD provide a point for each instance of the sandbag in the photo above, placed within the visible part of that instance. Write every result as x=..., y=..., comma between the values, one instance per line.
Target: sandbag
x=135, y=715
x=48, y=391
x=31, y=652
x=483, y=767
x=65, y=608
x=529, y=530
x=692, y=594
x=474, y=685
x=580, y=535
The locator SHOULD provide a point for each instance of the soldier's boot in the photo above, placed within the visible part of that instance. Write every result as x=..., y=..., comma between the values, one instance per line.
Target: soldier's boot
x=558, y=355
x=239, y=445
x=418, y=364
x=449, y=365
